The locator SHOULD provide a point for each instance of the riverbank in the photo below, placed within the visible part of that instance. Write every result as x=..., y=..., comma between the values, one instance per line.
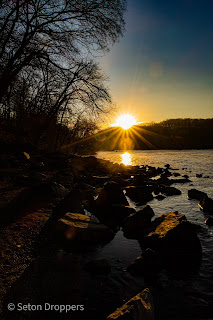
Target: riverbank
x=49, y=186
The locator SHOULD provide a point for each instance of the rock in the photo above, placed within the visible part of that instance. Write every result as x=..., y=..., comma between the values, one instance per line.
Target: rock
x=139, y=307
x=176, y=174
x=75, y=228
x=111, y=206
x=140, y=195
x=209, y=221
x=148, y=263
x=206, y=204
x=51, y=189
x=37, y=177
x=186, y=176
x=121, y=212
x=86, y=190
x=167, y=173
x=160, y=197
x=100, y=179
x=34, y=178
x=163, y=180
x=136, y=267
x=114, y=215
x=134, y=225
x=157, y=189
x=199, y=175
x=70, y=203
x=101, y=266
x=170, y=191
x=111, y=194
x=175, y=239
x=196, y=194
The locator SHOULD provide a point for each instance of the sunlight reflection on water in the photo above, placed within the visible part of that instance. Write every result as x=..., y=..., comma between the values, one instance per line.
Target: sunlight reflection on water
x=126, y=158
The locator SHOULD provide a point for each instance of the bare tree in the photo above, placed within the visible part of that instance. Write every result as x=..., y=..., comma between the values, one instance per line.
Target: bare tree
x=54, y=31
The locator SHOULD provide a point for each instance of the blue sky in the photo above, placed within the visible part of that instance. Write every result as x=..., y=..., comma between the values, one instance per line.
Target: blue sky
x=163, y=66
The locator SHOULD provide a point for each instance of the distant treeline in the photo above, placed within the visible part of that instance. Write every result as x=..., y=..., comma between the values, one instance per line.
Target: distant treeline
x=168, y=134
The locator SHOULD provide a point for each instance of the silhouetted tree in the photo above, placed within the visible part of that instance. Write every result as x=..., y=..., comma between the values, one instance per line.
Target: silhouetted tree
x=54, y=31
x=46, y=54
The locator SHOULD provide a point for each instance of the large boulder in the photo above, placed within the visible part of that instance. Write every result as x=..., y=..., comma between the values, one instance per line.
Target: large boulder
x=134, y=225
x=148, y=263
x=113, y=216
x=206, y=205
x=141, y=194
x=70, y=203
x=86, y=191
x=139, y=307
x=121, y=212
x=111, y=206
x=174, y=238
x=196, y=194
x=75, y=228
x=111, y=194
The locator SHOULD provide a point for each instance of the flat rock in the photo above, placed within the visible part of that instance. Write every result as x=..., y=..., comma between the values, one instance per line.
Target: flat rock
x=75, y=228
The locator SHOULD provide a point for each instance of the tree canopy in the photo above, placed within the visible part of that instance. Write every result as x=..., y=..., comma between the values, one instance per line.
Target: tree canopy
x=47, y=50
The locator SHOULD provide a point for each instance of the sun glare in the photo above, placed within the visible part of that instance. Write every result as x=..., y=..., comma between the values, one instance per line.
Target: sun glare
x=126, y=158
x=125, y=121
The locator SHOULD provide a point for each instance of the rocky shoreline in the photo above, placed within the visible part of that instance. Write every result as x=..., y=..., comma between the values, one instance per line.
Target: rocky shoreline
x=80, y=202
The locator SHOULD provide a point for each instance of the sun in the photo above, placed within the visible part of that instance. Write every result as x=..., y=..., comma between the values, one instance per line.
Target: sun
x=125, y=121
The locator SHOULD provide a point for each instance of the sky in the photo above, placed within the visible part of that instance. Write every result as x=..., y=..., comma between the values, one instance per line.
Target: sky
x=162, y=68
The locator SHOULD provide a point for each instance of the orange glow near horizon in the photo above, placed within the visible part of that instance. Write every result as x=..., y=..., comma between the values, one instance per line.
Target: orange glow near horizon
x=125, y=121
